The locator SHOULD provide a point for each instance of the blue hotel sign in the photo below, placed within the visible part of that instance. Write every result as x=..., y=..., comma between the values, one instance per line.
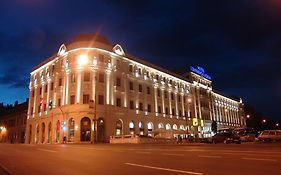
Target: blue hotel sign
x=200, y=71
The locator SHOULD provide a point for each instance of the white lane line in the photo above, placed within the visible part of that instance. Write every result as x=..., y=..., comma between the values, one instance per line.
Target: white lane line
x=167, y=154
x=51, y=151
x=203, y=156
x=164, y=169
x=142, y=152
x=5, y=169
x=269, y=160
x=263, y=155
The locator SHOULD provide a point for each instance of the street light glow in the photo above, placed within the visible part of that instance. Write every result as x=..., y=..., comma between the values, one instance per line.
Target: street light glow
x=248, y=116
x=263, y=120
x=189, y=100
x=82, y=60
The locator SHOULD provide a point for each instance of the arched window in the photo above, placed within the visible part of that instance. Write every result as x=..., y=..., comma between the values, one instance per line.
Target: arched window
x=132, y=127
x=141, y=128
x=85, y=129
x=71, y=125
x=168, y=126
x=119, y=127
x=175, y=127
x=43, y=133
x=160, y=125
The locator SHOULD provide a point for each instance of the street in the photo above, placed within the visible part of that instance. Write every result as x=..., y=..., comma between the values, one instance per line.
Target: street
x=197, y=159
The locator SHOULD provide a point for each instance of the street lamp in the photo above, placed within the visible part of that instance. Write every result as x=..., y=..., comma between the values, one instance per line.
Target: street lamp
x=277, y=124
x=248, y=116
x=264, y=121
x=188, y=114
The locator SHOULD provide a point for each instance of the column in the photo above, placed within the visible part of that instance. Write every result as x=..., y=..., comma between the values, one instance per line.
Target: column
x=78, y=87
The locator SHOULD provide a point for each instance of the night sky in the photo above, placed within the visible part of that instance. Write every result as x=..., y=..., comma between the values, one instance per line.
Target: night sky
x=237, y=42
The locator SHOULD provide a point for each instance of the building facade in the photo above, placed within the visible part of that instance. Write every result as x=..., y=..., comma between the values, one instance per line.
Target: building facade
x=13, y=123
x=91, y=90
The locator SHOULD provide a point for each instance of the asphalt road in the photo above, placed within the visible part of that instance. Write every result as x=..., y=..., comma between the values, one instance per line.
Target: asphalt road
x=207, y=159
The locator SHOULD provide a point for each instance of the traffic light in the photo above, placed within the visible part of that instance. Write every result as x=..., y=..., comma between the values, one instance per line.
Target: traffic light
x=50, y=104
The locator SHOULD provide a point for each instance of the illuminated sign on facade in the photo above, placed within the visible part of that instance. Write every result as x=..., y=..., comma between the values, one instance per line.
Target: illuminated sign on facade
x=200, y=71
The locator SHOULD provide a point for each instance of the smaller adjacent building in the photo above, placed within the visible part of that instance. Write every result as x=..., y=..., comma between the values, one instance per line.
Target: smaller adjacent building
x=13, y=123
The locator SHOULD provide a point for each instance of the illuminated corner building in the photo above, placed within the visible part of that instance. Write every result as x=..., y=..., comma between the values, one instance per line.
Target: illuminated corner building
x=91, y=90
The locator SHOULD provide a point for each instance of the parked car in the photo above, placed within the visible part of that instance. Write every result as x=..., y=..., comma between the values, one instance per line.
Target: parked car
x=226, y=137
x=245, y=134
x=270, y=135
x=221, y=130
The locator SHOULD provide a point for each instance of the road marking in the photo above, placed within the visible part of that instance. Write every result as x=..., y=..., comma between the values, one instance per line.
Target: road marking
x=167, y=154
x=164, y=169
x=5, y=169
x=270, y=160
x=264, y=155
x=51, y=151
x=142, y=152
x=209, y=156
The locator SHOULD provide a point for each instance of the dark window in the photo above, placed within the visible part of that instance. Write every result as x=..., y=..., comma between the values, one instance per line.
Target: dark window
x=180, y=114
x=140, y=71
x=100, y=99
x=52, y=86
x=166, y=110
x=131, y=104
x=131, y=68
x=148, y=108
x=59, y=102
x=173, y=111
x=72, y=99
x=45, y=107
x=140, y=88
x=183, y=99
x=118, y=102
x=166, y=94
x=40, y=91
x=101, y=58
x=159, y=109
x=31, y=110
x=140, y=107
x=172, y=96
x=46, y=88
x=33, y=93
x=148, y=90
x=86, y=98
x=118, y=81
x=60, y=82
x=87, y=76
x=101, y=78
x=157, y=77
x=179, y=98
x=131, y=86
x=39, y=108
x=158, y=92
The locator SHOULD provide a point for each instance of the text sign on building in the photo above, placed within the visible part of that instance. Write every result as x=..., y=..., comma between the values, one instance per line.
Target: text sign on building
x=200, y=71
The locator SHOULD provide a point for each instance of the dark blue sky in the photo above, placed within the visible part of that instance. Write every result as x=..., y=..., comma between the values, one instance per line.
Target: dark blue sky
x=237, y=42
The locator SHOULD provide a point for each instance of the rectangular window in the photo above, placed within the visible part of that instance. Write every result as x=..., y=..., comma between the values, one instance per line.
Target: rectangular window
x=118, y=82
x=158, y=92
x=101, y=77
x=101, y=58
x=166, y=111
x=166, y=94
x=130, y=68
x=173, y=111
x=148, y=90
x=131, y=104
x=100, y=100
x=59, y=102
x=118, y=102
x=60, y=82
x=87, y=76
x=72, y=99
x=131, y=85
x=140, y=107
x=179, y=98
x=32, y=93
x=46, y=88
x=86, y=98
x=52, y=86
x=45, y=107
x=180, y=114
x=140, y=88
x=31, y=110
x=39, y=108
x=159, y=109
x=172, y=96
x=148, y=108
x=40, y=91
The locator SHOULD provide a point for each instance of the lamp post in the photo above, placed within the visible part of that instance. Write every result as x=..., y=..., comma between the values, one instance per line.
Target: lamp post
x=188, y=114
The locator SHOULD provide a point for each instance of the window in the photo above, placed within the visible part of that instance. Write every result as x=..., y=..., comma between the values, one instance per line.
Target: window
x=140, y=88
x=118, y=102
x=173, y=111
x=40, y=91
x=87, y=76
x=46, y=88
x=131, y=104
x=100, y=100
x=101, y=58
x=130, y=68
x=158, y=92
x=101, y=78
x=118, y=82
x=39, y=108
x=148, y=90
x=31, y=110
x=72, y=99
x=179, y=98
x=86, y=98
x=60, y=82
x=180, y=114
x=32, y=93
x=140, y=107
x=166, y=110
x=53, y=68
x=166, y=94
x=148, y=108
x=45, y=107
x=139, y=71
x=172, y=96
x=59, y=102
x=157, y=77
x=52, y=86
x=131, y=86
x=159, y=109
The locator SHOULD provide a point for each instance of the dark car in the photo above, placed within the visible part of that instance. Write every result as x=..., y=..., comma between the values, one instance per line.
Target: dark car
x=226, y=137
